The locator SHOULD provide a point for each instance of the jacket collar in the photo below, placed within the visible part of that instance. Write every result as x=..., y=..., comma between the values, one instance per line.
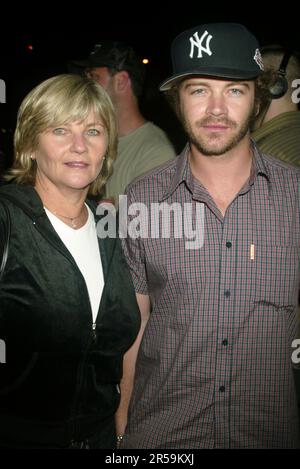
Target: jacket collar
x=27, y=199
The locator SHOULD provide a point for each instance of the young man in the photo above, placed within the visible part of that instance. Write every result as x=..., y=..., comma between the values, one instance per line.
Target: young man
x=214, y=365
x=142, y=144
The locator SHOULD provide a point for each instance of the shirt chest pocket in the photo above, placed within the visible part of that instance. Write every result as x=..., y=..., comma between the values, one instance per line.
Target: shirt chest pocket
x=274, y=274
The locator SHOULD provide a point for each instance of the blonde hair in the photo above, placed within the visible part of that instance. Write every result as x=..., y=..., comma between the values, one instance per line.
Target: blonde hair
x=58, y=101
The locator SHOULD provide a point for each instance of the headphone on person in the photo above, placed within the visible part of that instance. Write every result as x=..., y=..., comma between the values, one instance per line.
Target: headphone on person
x=280, y=87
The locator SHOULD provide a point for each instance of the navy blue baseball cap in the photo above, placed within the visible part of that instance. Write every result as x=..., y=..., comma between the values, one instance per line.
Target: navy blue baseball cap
x=113, y=54
x=225, y=50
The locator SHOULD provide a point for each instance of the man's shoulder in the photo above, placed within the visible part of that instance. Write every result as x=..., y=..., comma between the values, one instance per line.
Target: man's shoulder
x=153, y=129
x=277, y=165
x=155, y=136
x=283, y=177
x=145, y=148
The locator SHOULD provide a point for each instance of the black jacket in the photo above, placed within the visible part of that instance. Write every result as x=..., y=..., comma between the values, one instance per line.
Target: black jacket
x=60, y=379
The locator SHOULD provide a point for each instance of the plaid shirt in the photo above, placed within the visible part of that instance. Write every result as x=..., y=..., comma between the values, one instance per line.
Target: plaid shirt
x=214, y=367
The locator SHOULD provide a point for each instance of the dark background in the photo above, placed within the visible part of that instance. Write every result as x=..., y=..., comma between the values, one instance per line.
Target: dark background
x=148, y=29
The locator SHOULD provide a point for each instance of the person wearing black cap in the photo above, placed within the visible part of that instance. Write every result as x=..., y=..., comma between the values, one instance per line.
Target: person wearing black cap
x=218, y=294
x=142, y=144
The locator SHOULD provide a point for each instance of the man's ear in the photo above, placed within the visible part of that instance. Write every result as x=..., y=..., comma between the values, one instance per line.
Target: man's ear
x=258, y=105
x=122, y=81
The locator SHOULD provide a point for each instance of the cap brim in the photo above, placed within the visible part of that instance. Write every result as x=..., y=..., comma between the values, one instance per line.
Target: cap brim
x=215, y=72
x=80, y=63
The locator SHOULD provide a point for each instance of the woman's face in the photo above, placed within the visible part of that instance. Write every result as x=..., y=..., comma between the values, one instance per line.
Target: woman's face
x=70, y=156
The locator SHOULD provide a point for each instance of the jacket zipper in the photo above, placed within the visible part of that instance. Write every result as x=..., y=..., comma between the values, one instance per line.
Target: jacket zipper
x=94, y=332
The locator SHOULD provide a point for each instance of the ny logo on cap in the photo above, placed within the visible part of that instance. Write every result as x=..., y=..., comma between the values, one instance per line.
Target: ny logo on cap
x=197, y=42
x=258, y=59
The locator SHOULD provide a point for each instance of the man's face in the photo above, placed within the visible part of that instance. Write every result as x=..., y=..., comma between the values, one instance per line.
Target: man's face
x=216, y=113
x=102, y=76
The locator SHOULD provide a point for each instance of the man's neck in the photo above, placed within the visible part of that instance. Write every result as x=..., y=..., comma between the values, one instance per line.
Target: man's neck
x=277, y=107
x=223, y=176
x=129, y=118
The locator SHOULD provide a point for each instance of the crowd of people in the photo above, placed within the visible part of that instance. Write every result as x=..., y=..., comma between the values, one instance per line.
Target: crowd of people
x=175, y=331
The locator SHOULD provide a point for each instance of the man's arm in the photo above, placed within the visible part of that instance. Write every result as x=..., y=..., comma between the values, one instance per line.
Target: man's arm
x=129, y=361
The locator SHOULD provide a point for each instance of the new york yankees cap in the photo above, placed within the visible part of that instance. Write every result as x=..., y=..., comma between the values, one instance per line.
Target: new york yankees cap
x=225, y=50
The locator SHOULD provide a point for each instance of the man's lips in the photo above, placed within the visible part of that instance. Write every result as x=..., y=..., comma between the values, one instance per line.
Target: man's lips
x=215, y=127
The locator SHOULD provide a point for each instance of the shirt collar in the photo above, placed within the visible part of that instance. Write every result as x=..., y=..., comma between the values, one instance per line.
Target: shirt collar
x=183, y=172
x=259, y=166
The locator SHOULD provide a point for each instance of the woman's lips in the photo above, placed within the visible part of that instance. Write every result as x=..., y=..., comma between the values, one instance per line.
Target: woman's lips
x=76, y=164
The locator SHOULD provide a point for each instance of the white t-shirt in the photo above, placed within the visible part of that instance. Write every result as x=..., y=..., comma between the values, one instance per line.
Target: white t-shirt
x=83, y=245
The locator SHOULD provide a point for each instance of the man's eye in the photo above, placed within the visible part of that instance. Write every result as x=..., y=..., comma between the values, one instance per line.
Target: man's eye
x=198, y=91
x=236, y=91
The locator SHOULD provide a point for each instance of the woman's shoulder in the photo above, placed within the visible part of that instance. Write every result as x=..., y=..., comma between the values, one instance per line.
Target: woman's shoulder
x=12, y=191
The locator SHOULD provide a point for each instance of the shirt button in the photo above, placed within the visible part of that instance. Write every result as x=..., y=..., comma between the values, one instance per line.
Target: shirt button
x=228, y=244
x=225, y=342
x=222, y=388
x=227, y=293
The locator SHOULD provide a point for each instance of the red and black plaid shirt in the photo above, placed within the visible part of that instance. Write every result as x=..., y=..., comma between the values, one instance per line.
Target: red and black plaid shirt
x=214, y=367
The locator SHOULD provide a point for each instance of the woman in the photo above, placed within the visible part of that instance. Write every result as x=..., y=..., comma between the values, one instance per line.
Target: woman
x=67, y=307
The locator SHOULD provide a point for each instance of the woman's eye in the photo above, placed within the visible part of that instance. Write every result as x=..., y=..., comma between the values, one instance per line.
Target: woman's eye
x=59, y=131
x=93, y=132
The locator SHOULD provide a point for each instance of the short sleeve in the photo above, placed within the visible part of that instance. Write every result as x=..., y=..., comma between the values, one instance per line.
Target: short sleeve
x=133, y=249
